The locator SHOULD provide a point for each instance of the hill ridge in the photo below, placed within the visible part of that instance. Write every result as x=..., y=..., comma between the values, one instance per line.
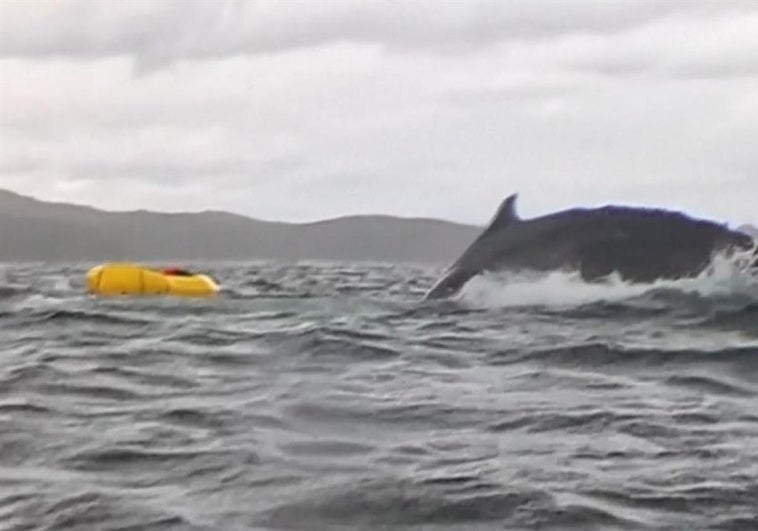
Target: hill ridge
x=32, y=229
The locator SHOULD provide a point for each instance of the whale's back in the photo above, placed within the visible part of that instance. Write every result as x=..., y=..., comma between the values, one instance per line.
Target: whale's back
x=642, y=244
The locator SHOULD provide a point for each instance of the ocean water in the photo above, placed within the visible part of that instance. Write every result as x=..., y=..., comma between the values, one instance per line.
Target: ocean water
x=326, y=396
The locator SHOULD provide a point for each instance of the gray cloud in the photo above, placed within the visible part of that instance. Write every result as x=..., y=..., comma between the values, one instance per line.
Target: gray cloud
x=157, y=33
x=307, y=110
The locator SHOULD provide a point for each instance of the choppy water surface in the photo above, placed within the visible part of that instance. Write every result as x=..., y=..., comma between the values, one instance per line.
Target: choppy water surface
x=325, y=396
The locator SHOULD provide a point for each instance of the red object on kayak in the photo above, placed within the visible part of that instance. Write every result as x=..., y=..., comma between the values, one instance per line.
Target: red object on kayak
x=176, y=271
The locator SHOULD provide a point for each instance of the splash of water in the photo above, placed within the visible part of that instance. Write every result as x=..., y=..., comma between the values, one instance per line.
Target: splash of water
x=727, y=277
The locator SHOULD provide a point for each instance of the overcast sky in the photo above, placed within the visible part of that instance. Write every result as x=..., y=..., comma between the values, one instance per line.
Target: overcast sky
x=302, y=110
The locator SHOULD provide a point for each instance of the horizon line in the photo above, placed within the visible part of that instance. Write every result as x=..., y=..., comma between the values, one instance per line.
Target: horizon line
x=326, y=219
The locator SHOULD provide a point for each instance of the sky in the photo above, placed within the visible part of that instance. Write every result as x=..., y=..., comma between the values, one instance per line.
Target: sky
x=304, y=110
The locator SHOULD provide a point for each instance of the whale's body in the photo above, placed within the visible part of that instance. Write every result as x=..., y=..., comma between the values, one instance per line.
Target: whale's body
x=640, y=245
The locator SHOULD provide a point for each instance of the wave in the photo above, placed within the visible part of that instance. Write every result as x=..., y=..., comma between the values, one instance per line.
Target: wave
x=597, y=354
x=729, y=281
x=84, y=509
x=314, y=400
x=9, y=292
x=449, y=501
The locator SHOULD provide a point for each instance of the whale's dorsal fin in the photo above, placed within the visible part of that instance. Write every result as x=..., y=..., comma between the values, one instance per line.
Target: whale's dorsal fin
x=505, y=215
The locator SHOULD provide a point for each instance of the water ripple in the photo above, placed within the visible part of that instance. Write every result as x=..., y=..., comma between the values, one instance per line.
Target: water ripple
x=326, y=396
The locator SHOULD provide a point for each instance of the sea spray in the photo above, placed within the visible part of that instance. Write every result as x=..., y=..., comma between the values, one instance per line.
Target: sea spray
x=728, y=278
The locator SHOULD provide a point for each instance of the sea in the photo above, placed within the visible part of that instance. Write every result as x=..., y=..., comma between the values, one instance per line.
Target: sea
x=330, y=396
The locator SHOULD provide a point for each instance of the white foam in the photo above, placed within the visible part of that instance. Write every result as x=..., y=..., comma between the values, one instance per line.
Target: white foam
x=38, y=301
x=60, y=283
x=726, y=277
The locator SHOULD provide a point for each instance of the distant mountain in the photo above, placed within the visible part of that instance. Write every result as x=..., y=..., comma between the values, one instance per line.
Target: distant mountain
x=33, y=230
x=752, y=230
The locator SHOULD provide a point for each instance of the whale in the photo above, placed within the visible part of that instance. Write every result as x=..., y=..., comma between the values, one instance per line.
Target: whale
x=639, y=244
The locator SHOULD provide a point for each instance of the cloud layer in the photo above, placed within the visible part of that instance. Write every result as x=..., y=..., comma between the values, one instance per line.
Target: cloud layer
x=305, y=110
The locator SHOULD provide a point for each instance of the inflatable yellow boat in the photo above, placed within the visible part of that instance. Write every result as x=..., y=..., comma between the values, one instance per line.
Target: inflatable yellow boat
x=132, y=279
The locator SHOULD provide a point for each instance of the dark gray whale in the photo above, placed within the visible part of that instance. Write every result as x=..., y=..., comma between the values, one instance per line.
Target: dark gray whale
x=639, y=244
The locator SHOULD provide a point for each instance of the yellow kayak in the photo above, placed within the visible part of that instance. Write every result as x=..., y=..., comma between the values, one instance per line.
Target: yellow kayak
x=132, y=279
